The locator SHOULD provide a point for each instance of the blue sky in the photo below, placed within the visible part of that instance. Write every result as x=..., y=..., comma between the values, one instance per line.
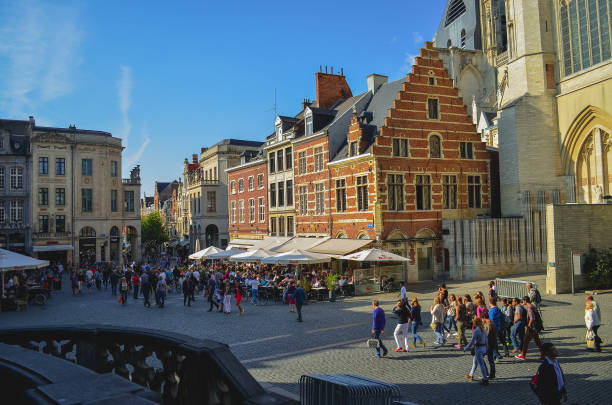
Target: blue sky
x=171, y=77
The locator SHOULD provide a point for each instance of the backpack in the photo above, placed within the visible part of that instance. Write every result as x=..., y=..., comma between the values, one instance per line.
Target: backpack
x=537, y=323
x=534, y=384
x=537, y=298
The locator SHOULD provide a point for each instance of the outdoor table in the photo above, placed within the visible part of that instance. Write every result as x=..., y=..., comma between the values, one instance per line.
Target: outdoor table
x=319, y=292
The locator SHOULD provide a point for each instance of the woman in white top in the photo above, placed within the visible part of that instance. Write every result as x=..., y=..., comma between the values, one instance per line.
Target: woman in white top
x=591, y=319
x=437, y=318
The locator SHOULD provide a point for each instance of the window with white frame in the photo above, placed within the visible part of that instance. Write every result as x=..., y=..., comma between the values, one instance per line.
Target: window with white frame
x=395, y=185
x=466, y=150
x=43, y=196
x=251, y=210
x=362, y=193
x=340, y=195
x=308, y=125
x=233, y=187
x=303, y=196
x=16, y=210
x=474, y=198
x=233, y=212
x=262, y=209
x=302, y=162
x=240, y=185
x=423, y=192
x=16, y=178
x=319, y=198
x=400, y=147
x=260, y=181
x=241, y=210
x=251, y=183
x=449, y=192
x=43, y=165
x=318, y=159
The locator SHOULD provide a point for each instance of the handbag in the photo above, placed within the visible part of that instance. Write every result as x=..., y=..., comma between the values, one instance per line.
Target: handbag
x=373, y=343
x=590, y=339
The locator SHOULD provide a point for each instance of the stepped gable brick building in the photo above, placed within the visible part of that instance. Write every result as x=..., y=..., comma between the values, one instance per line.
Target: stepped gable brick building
x=412, y=158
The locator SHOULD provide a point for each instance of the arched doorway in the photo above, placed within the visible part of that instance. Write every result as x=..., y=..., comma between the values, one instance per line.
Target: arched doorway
x=130, y=243
x=115, y=237
x=212, y=235
x=87, y=246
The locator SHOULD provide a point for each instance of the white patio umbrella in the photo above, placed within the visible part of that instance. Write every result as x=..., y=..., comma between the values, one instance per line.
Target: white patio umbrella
x=205, y=252
x=254, y=255
x=14, y=261
x=297, y=256
x=374, y=255
x=224, y=254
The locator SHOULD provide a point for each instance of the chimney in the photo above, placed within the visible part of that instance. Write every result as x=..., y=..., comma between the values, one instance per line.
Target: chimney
x=331, y=88
x=305, y=103
x=194, y=158
x=375, y=81
x=32, y=121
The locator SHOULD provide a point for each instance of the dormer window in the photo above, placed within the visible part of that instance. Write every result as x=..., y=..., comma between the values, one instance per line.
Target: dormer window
x=279, y=132
x=353, y=150
x=309, y=128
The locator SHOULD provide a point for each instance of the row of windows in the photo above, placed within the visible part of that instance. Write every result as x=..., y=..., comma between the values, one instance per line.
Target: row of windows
x=211, y=202
x=45, y=226
x=284, y=195
x=15, y=211
x=251, y=185
x=210, y=174
x=87, y=200
x=278, y=226
x=319, y=156
x=585, y=33
x=15, y=178
x=276, y=159
x=401, y=148
x=241, y=216
x=362, y=194
x=396, y=198
x=86, y=166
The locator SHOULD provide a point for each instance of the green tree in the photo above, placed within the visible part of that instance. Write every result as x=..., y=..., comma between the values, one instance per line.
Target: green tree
x=154, y=232
x=598, y=268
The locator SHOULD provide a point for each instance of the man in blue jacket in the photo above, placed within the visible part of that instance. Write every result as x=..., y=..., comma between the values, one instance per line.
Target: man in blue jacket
x=495, y=315
x=300, y=297
x=378, y=327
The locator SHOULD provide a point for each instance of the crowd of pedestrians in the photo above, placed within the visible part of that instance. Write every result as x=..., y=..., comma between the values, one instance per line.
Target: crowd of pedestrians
x=511, y=324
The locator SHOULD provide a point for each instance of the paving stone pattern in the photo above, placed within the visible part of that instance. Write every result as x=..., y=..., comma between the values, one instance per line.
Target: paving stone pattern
x=277, y=350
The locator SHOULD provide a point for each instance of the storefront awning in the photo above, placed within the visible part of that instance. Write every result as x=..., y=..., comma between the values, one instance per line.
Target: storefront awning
x=51, y=248
x=340, y=246
x=300, y=243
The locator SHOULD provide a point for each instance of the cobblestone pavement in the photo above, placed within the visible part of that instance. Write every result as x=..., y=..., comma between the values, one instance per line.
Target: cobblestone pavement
x=277, y=350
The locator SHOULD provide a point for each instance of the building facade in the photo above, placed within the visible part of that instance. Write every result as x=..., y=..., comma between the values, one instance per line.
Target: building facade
x=206, y=191
x=248, y=199
x=15, y=178
x=85, y=212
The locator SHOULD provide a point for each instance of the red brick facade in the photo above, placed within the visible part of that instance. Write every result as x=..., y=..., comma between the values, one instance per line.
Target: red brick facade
x=250, y=224
x=314, y=219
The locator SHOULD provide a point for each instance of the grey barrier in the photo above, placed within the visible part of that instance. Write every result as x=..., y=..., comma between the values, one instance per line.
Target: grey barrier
x=345, y=389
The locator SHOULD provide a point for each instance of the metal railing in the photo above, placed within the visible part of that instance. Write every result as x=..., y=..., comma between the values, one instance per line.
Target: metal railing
x=52, y=235
x=131, y=182
x=183, y=369
x=346, y=389
x=507, y=288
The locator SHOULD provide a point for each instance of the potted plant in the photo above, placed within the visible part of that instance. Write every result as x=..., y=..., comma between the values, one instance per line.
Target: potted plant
x=330, y=281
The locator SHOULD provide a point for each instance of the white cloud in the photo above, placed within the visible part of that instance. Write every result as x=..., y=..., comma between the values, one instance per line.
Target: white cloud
x=124, y=92
x=418, y=38
x=408, y=62
x=39, y=46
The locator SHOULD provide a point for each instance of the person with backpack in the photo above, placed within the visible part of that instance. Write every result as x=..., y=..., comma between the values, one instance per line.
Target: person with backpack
x=533, y=329
x=461, y=319
x=495, y=315
x=533, y=294
x=549, y=382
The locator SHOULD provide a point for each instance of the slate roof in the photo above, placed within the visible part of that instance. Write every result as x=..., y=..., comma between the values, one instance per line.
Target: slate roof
x=374, y=114
x=18, y=127
x=489, y=116
x=238, y=142
x=71, y=130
